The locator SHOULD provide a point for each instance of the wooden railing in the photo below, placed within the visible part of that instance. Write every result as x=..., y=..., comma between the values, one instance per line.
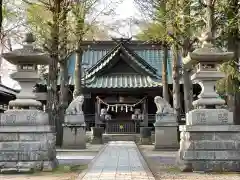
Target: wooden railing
x=90, y=122
x=121, y=127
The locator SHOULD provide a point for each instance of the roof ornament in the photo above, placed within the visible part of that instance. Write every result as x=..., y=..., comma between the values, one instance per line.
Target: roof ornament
x=122, y=40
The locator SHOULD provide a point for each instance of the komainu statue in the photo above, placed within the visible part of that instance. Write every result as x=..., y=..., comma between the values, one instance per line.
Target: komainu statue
x=137, y=115
x=104, y=115
x=163, y=107
x=75, y=107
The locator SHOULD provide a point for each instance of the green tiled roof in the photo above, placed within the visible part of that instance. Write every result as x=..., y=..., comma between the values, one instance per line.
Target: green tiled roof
x=122, y=81
x=152, y=55
x=130, y=57
x=146, y=56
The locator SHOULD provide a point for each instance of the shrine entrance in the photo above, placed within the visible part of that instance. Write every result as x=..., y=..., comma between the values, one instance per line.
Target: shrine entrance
x=121, y=115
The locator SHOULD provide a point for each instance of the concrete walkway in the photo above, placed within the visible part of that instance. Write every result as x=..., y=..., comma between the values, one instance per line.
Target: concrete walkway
x=119, y=160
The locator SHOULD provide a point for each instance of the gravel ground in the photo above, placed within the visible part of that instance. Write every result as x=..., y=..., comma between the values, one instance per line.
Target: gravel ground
x=162, y=165
x=63, y=172
x=42, y=176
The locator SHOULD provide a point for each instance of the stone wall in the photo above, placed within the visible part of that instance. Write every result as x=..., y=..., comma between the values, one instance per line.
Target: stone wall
x=27, y=142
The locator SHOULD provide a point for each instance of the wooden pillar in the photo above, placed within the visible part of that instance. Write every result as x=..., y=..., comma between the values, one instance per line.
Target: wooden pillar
x=145, y=113
x=97, y=112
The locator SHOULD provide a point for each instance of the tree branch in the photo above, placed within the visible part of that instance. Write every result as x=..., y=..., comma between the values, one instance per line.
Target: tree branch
x=175, y=39
x=201, y=3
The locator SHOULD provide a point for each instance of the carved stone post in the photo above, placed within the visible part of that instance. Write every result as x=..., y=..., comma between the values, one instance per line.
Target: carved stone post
x=97, y=135
x=27, y=141
x=74, y=127
x=165, y=126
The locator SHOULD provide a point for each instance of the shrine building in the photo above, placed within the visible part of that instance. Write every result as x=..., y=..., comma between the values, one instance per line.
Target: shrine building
x=120, y=80
x=6, y=94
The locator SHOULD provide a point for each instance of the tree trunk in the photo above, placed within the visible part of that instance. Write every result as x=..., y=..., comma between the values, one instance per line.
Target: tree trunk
x=80, y=31
x=1, y=19
x=188, y=90
x=187, y=85
x=53, y=68
x=233, y=46
x=165, y=73
x=165, y=92
x=176, y=83
x=1, y=15
x=63, y=100
x=78, y=73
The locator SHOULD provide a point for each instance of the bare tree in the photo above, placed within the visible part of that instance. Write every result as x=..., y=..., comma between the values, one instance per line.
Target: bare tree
x=81, y=11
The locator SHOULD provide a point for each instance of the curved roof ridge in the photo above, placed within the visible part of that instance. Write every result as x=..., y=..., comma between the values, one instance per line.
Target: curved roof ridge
x=105, y=60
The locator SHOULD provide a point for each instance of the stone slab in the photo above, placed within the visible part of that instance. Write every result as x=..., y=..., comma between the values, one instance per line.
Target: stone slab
x=9, y=137
x=210, y=145
x=210, y=155
x=120, y=137
x=209, y=117
x=119, y=160
x=168, y=118
x=210, y=128
x=37, y=165
x=74, y=119
x=74, y=138
x=27, y=146
x=47, y=136
x=26, y=117
x=27, y=166
x=31, y=136
x=216, y=166
x=218, y=136
x=166, y=137
x=162, y=124
x=13, y=129
x=26, y=156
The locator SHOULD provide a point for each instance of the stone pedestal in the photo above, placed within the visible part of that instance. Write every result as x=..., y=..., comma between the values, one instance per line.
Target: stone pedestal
x=74, y=137
x=27, y=142
x=209, y=141
x=74, y=127
x=97, y=135
x=166, y=132
x=145, y=135
x=74, y=119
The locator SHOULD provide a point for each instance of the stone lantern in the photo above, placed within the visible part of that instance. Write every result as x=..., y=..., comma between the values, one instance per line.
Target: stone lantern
x=26, y=60
x=27, y=141
x=209, y=140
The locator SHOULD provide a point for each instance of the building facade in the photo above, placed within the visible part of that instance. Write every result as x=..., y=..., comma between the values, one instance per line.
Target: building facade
x=120, y=80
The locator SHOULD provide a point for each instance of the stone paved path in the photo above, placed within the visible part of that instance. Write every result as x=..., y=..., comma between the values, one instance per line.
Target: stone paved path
x=119, y=160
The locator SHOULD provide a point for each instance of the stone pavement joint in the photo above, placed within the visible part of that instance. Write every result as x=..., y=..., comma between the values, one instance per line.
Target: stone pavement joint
x=119, y=160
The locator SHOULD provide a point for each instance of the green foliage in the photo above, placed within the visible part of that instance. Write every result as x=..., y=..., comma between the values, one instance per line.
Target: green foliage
x=227, y=15
x=227, y=22
x=171, y=17
x=230, y=83
x=154, y=32
x=39, y=19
